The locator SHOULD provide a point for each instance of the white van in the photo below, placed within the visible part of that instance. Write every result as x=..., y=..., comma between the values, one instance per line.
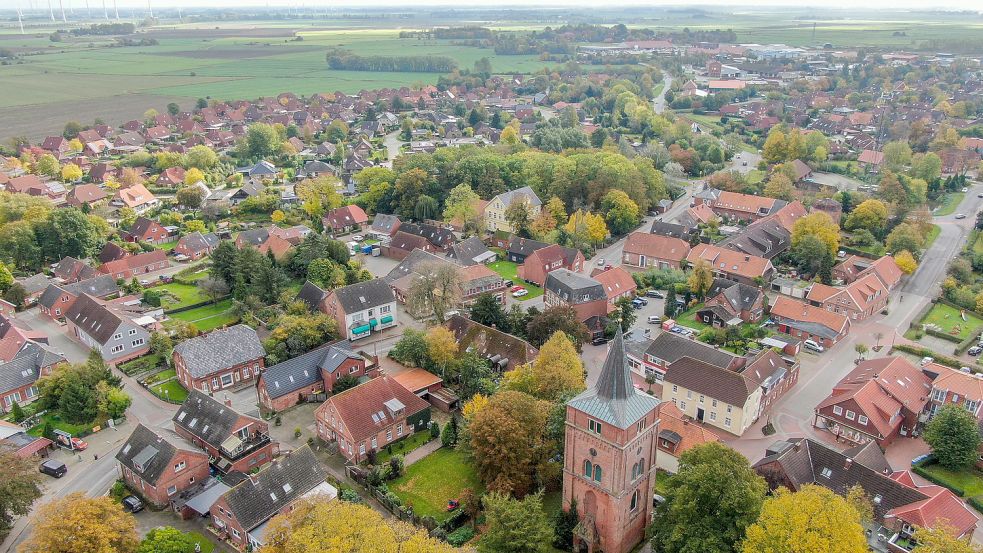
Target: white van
x=352, y=248
x=654, y=319
x=814, y=346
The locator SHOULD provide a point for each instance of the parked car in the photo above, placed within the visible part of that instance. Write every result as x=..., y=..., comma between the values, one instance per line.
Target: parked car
x=980, y=195
x=132, y=504
x=921, y=458
x=598, y=340
x=600, y=262
x=654, y=320
x=358, y=238
x=519, y=293
x=744, y=163
x=814, y=346
x=975, y=350
x=927, y=360
x=637, y=303
x=508, y=283
x=516, y=288
x=960, y=216
x=53, y=467
x=655, y=294
x=964, y=190
x=643, y=300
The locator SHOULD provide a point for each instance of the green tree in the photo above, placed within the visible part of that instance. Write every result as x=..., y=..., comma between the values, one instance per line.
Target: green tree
x=346, y=382
x=6, y=278
x=488, y=311
x=700, y=279
x=68, y=232
x=905, y=237
x=563, y=524
x=515, y=525
x=167, y=539
x=927, y=167
x=261, y=140
x=669, y=310
x=16, y=295
x=47, y=165
x=508, y=440
x=426, y=208
x=78, y=402
x=200, y=157
x=19, y=487
x=17, y=412
x=715, y=479
x=625, y=311
x=437, y=291
x=941, y=538
x=448, y=436
x=897, y=155
x=620, y=212
x=519, y=216
x=954, y=436
x=558, y=318
x=411, y=349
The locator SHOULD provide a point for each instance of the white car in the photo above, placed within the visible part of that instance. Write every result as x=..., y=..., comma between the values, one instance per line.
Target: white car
x=520, y=293
x=358, y=238
x=600, y=262
x=814, y=346
x=965, y=190
x=960, y=216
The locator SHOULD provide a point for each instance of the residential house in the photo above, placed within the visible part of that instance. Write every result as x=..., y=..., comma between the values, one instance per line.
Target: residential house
x=675, y=230
x=371, y=416
x=477, y=280
x=229, y=358
x=34, y=285
x=19, y=375
x=474, y=279
x=150, y=231
x=15, y=336
x=111, y=251
x=854, y=267
x=58, y=299
x=543, y=261
x=70, y=269
x=311, y=375
x=15, y=439
x=858, y=300
x=504, y=351
x=870, y=160
x=737, y=206
x=899, y=505
x=85, y=194
x=196, y=245
x=135, y=197
x=732, y=265
x=440, y=238
x=765, y=238
x=403, y=244
x=950, y=386
x=585, y=294
x=273, y=239
x=384, y=226
x=808, y=322
x=115, y=333
x=734, y=304
x=643, y=250
x=667, y=348
x=157, y=470
x=880, y=400
x=678, y=434
x=471, y=251
x=136, y=265
x=362, y=308
x=172, y=176
x=234, y=442
x=344, y=219
x=497, y=206
x=242, y=514
x=617, y=282
x=249, y=189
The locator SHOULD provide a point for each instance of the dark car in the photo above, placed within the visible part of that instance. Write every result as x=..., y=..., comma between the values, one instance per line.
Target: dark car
x=54, y=468
x=655, y=294
x=508, y=283
x=975, y=350
x=637, y=303
x=598, y=340
x=132, y=504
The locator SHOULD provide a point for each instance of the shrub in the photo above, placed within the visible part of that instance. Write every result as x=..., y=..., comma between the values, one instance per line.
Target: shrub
x=461, y=536
x=297, y=432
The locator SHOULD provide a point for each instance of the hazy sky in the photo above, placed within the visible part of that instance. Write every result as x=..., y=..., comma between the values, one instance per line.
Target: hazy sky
x=976, y=5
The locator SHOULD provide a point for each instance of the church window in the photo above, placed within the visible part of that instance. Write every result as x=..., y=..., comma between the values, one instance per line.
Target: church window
x=588, y=468
x=597, y=473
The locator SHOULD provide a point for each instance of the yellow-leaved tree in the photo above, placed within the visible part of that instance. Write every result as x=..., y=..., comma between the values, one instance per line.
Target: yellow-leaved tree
x=905, y=261
x=71, y=172
x=942, y=539
x=343, y=527
x=193, y=176
x=441, y=346
x=811, y=520
x=556, y=372
x=820, y=225
x=76, y=523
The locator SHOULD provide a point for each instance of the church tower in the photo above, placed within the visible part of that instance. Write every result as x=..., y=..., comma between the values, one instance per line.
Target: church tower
x=609, y=458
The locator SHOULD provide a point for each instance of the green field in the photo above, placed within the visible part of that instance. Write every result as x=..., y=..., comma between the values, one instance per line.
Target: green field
x=58, y=424
x=430, y=482
x=948, y=320
x=208, y=317
x=949, y=203
x=970, y=481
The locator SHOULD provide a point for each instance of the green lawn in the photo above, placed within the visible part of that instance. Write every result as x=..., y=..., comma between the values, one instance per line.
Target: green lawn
x=969, y=480
x=207, y=546
x=141, y=364
x=167, y=247
x=208, y=317
x=933, y=233
x=172, y=390
x=509, y=271
x=949, y=203
x=58, y=424
x=161, y=376
x=688, y=318
x=403, y=446
x=430, y=482
x=948, y=320
x=180, y=295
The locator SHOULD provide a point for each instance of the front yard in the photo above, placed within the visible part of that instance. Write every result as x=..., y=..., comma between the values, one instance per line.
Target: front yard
x=403, y=446
x=172, y=390
x=58, y=424
x=180, y=295
x=947, y=319
x=509, y=271
x=143, y=364
x=430, y=482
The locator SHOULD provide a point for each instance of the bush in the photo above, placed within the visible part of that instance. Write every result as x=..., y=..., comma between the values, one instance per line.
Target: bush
x=434, y=429
x=461, y=536
x=297, y=432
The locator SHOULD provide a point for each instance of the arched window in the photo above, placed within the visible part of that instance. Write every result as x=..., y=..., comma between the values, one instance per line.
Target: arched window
x=634, y=500
x=634, y=471
x=597, y=473
x=641, y=466
x=588, y=468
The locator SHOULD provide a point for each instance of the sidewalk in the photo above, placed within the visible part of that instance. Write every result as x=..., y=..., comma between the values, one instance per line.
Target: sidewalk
x=421, y=452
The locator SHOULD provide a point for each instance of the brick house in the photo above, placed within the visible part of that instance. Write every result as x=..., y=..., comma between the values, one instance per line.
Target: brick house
x=643, y=250
x=585, y=294
x=858, y=300
x=808, y=322
x=880, y=400
x=617, y=283
x=518, y=249
x=950, y=386
x=196, y=245
x=285, y=384
x=19, y=376
x=737, y=206
x=57, y=299
x=361, y=309
x=70, y=269
x=371, y=416
x=234, y=442
x=228, y=358
x=344, y=219
x=855, y=267
x=135, y=265
x=677, y=434
x=732, y=265
x=157, y=470
x=114, y=332
x=240, y=514
x=543, y=261
x=150, y=231
x=731, y=301
x=503, y=350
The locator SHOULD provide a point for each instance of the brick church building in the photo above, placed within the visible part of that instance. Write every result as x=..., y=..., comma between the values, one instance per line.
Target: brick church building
x=609, y=461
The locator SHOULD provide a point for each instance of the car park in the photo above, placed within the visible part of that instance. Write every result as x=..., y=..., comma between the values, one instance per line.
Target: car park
x=519, y=293
x=516, y=288
x=53, y=467
x=132, y=504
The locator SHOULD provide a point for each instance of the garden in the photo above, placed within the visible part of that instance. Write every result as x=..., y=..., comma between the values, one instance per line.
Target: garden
x=166, y=386
x=403, y=446
x=429, y=483
x=509, y=271
x=952, y=321
x=142, y=364
x=209, y=317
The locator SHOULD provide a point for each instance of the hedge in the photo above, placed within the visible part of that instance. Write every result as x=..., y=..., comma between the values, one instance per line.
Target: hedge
x=925, y=352
x=920, y=471
x=184, y=308
x=975, y=503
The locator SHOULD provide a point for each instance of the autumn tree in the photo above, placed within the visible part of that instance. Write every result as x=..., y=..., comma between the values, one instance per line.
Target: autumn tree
x=820, y=225
x=620, y=212
x=519, y=215
x=436, y=291
x=775, y=149
x=508, y=440
x=941, y=538
x=441, y=346
x=193, y=176
x=905, y=236
x=556, y=372
x=461, y=207
x=558, y=318
x=319, y=195
x=200, y=157
x=190, y=197
x=71, y=172
x=700, y=278
x=336, y=526
x=19, y=487
x=75, y=523
x=780, y=187
x=954, y=436
x=516, y=525
x=897, y=155
x=586, y=228
x=811, y=520
x=905, y=261
x=712, y=478
x=870, y=214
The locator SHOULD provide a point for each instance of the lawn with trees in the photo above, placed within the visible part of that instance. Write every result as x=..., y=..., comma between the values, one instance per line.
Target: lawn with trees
x=430, y=482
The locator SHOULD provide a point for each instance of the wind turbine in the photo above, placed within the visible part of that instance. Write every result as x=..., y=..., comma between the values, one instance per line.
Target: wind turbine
x=116, y=9
x=51, y=12
x=88, y=11
x=20, y=20
x=151, y=8
x=61, y=5
x=105, y=12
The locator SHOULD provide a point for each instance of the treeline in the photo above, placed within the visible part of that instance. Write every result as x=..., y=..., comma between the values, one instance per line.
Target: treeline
x=346, y=60
x=105, y=29
x=715, y=35
x=453, y=33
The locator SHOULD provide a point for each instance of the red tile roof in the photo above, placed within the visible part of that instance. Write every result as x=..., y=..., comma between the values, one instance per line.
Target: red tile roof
x=357, y=405
x=656, y=246
x=941, y=506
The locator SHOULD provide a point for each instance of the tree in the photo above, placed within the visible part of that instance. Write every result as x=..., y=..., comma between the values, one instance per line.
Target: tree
x=68, y=232
x=193, y=176
x=775, y=150
x=426, y=208
x=809, y=254
x=507, y=437
x=16, y=295
x=870, y=215
x=441, y=346
x=167, y=539
x=700, y=278
x=487, y=310
x=812, y=520
x=558, y=318
x=859, y=500
x=19, y=487
x=72, y=130
x=905, y=236
x=112, y=401
x=941, y=539
x=461, y=207
x=861, y=350
x=519, y=216
x=161, y=344
x=47, y=165
x=335, y=526
x=905, y=261
x=411, y=349
x=820, y=225
x=448, y=436
x=71, y=172
x=194, y=225
x=669, y=309
x=897, y=155
x=620, y=212
x=927, y=167
x=213, y=288
x=346, y=382
x=564, y=523
x=555, y=373
x=515, y=525
x=436, y=291
x=6, y=278
x=780, y=187
x=712, y=478
x=76, y=523
x=586, y=228
x=200, y=157
x=319, y=195
x=954, y=436
x=261, y=140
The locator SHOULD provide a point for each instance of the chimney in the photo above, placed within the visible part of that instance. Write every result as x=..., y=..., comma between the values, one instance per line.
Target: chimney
x=228, y=401
x=747, y=258
x=685, y=421
x=848, y=463
x=797, y=445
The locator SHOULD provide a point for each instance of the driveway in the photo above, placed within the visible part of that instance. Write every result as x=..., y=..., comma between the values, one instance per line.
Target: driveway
x=744, y=162
x=57, y=335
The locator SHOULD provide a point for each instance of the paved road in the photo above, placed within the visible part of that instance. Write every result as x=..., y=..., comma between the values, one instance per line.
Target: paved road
x=392, y=144
x=659, y=102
